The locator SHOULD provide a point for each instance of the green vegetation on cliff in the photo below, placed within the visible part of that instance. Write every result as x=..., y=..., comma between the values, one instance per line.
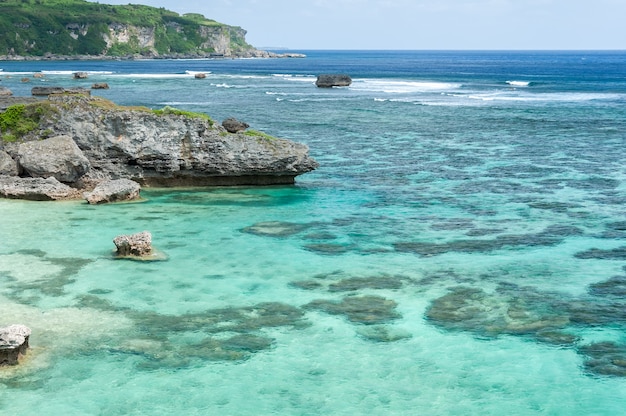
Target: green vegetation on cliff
x=78, y=27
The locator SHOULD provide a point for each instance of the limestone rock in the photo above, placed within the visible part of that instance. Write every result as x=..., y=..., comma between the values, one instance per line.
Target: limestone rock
x=8, y=166
x=172, y=149
x=113, y=191
x=5, y=92
x=232, y=125
x=57, y=157
x=100, y=86
x=138, y=245
x=43, y=91
x=35, y=189
x=13, y=343
x=200, y=75
x=333, y=80
x=80, y=75
x=40, y=91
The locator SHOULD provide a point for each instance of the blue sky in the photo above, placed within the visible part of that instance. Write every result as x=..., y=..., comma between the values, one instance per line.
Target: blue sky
x=417, y=24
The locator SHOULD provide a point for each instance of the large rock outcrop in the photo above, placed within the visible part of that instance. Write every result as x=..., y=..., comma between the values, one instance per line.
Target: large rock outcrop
x=167, y=147
x=13, y=343
x=57, y=157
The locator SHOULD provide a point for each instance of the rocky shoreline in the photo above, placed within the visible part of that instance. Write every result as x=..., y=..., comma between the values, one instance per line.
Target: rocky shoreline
x=254, y=53
x=77, y=142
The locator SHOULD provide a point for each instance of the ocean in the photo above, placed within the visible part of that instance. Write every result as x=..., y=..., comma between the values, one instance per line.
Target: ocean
x=460, y=250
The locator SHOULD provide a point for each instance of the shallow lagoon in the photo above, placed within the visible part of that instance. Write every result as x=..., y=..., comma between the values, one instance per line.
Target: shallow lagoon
x=452, y=255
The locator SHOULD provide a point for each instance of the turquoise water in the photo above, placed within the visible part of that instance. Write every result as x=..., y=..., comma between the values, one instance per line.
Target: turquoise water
x=460, y=250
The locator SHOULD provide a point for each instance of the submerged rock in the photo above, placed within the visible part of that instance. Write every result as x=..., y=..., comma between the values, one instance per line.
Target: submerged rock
x=492, y=315
x=13, y=343
x=369, y=310
x=136, y=245
x=605, y=358
x=275, y=228
x=113, y=191
x=382, y=333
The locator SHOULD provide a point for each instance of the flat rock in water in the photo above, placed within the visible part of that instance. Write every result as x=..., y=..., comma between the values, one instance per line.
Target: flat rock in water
x=35, y=189
x=113, y=191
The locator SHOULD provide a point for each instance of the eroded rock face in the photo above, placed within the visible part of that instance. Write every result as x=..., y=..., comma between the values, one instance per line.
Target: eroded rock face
x=35, y=189
x=137, y=245
x=13, y=343
x=113, y=191
x=57, y=157
x=333, y=80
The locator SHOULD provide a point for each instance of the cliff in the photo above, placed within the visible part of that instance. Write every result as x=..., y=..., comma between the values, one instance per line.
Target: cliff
x=81, y=141
x=77, y=27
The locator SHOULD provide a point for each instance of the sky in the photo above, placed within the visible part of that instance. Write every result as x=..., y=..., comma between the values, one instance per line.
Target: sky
x=416, y=24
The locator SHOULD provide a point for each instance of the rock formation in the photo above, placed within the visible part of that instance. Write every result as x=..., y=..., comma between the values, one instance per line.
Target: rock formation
x=13, y=343
x=136, y=245
x=57, y=157
x=5, y=92
x=113, y=191
x=333, y=80
x=232, y=125
x=8, y=166
x=92, y=140
x=80, y=75
x=44, y=91
x=100, y=86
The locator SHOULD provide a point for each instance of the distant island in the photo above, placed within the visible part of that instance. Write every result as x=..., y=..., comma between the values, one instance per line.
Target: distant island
x=66, y=29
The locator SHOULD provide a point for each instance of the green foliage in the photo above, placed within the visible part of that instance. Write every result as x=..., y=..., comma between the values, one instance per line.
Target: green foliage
x=259, y=135
x=167, y=110
x=19, y=120
x=36, y=27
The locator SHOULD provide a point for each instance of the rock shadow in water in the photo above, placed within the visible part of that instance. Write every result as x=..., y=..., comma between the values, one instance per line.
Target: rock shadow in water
x=551, y=236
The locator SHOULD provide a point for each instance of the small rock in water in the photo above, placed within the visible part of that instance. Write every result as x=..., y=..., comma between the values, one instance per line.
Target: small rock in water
x=13, y=343
x=138, y=245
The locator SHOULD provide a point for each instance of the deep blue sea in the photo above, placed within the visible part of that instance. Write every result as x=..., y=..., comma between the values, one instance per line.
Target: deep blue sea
x=461, y=249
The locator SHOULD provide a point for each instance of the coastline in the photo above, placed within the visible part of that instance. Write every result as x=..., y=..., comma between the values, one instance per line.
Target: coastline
x=241, y=55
